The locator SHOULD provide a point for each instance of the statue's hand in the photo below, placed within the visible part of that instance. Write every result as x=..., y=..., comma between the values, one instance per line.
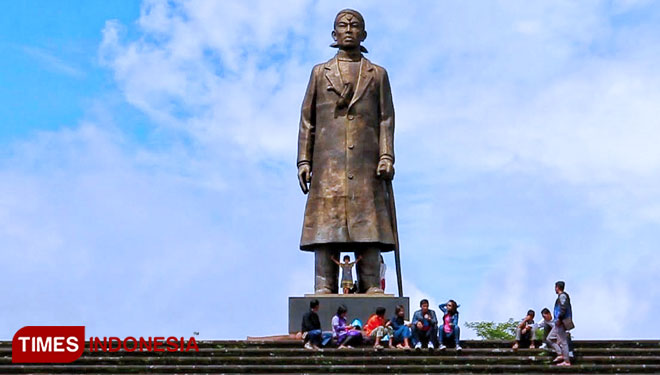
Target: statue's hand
x=304, y=176
x=385, y=169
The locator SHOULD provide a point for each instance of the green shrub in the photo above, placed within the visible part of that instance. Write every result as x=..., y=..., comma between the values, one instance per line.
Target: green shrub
x=494, y=331
x=540, y=332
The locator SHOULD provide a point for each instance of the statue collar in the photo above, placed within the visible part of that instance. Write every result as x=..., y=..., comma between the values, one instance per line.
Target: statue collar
x=334, y=78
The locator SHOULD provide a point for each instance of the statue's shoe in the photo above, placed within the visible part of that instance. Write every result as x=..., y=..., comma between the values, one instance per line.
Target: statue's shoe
x=375, y=290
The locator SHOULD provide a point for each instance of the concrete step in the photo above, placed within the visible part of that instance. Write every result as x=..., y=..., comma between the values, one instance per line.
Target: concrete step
x=364, y=351
x=362, y=360
x=464, y=344
x=331, y=368
x=388, y=372
x=219, y=373
x=593, y=357
x=472, y=344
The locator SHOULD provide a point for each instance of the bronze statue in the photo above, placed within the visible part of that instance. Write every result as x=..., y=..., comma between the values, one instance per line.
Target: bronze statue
x=346, y=155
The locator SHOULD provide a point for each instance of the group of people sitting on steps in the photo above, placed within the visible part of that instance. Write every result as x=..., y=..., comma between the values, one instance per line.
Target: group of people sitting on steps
x=423, y=331
x=426, y=331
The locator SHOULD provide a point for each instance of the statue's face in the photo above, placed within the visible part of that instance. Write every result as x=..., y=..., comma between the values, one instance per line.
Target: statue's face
x=349, y=32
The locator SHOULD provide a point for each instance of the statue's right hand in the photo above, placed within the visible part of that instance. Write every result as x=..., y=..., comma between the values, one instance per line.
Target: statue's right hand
x=304, y=176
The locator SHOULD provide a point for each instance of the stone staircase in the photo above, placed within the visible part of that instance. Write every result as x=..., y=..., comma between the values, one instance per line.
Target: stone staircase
x=288, y=356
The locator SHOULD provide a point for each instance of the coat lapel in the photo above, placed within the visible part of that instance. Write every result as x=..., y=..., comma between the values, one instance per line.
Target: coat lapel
x=364, y=79
x=332, y=76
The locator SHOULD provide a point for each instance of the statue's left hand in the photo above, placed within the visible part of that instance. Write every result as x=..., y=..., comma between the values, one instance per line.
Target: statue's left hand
x=304, y=176
x=385, y=169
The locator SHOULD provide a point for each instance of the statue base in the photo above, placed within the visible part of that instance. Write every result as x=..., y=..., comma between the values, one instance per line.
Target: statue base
x=360, y=306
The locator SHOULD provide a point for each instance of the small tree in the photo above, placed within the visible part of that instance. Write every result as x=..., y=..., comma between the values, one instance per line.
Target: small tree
x=494, y=331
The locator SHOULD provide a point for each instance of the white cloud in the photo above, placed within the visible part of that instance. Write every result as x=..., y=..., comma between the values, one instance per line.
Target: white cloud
x=521, y=103
x=91, y=229
x=524, y=279
x=52, y=62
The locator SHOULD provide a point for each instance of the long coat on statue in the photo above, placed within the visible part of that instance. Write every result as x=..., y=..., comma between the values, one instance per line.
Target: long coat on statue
x=347, y=202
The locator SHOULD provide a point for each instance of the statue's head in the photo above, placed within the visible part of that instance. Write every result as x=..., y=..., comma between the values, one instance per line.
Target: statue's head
x=349, y=30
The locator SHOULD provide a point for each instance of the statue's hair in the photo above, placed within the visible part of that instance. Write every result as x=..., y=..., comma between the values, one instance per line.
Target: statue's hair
x=351, y=12
x=357, y=15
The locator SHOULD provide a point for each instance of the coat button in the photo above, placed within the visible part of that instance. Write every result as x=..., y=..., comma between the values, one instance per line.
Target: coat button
x=350, y=117
x=350, y=176
x=350, y=147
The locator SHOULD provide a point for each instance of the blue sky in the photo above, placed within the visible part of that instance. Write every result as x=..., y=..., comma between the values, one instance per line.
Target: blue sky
x=147, y=171
x=50, y=73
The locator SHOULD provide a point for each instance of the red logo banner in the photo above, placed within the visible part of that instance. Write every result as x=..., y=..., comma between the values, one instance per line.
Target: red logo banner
x=48, y=344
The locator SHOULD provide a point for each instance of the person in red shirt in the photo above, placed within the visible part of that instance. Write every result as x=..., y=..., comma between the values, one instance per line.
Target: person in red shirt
x=377, y=327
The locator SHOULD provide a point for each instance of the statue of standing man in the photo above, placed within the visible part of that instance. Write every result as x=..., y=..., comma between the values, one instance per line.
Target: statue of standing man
x=346, y=160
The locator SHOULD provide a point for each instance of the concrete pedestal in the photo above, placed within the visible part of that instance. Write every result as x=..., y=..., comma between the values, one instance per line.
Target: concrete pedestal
x=359, y=306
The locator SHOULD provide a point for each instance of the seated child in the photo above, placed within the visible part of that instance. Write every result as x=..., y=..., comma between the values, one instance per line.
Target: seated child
x=449, y=332
x=526, y=332
x=311, y=332
x=546, y=325
x=377, y=327
x=343, y=332
x=425, y=326
x=401, y=328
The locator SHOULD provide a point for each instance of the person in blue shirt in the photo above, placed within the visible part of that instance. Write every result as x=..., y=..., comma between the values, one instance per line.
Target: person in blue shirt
x=401, y=329
x=425, y=326
x=449, y=332
x=563, y=323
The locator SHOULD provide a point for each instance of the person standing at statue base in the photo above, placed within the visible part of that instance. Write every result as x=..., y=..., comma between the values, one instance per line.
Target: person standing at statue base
x=346, y=272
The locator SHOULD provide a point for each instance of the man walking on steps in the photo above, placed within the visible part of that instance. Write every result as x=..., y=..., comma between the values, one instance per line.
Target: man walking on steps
x=563, y=323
